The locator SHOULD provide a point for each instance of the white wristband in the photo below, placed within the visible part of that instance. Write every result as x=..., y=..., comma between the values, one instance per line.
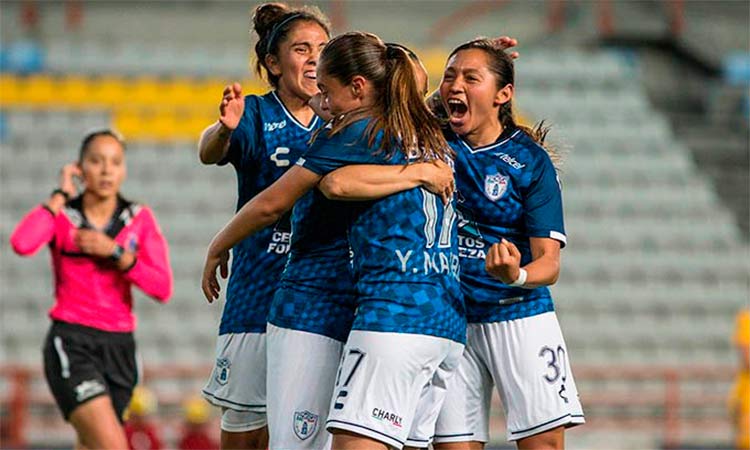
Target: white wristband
x=521, y=280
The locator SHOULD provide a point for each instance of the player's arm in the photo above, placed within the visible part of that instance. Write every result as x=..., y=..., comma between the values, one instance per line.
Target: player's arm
x=370, y=182
x=504, y=263
x=214, y=141
x=263, y=210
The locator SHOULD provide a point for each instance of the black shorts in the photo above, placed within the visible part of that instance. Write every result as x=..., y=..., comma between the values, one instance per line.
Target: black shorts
x=82, y=363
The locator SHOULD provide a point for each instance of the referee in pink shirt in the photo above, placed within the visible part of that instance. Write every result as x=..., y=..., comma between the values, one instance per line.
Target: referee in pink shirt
x=101, y=244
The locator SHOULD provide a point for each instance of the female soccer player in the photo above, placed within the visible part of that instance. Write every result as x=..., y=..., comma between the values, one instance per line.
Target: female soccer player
x=261, y=136
x=481, y=106
x=261, y=140
x=101, y=245
x=403, y=246
x=510, y=239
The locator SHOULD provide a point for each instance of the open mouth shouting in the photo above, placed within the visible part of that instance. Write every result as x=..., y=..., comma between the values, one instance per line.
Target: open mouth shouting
x=457, y=110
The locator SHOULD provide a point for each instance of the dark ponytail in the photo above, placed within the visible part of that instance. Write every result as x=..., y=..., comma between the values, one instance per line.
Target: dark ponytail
x=501, y=65
x=272, y=22
x=399, y=110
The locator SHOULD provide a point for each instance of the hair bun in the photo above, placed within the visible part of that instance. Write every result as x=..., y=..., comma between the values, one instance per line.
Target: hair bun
x=266, y=16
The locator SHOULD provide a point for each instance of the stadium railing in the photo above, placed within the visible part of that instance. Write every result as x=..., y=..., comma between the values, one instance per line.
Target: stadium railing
x=671, y=403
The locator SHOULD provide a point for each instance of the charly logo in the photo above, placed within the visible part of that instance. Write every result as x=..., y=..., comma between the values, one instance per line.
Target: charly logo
x=222, y=370
x=87, y=389
x=305, y=424
x=280, y=162
x=495, y=186
x=383, y=415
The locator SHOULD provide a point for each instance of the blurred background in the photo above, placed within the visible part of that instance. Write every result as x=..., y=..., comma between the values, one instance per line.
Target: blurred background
x=649, y=99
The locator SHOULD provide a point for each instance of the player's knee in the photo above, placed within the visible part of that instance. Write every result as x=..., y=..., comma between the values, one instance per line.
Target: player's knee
x=258, y=439
x=548, y=440
x=243, y=430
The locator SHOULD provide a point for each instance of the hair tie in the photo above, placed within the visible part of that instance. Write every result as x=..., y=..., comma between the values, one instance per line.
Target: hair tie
x=391, y=51
x=273, y=35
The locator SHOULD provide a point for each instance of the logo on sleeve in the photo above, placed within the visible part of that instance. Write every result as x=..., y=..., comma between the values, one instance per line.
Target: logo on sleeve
x=222, y=371
x=495, y=186
x=87, y=389
x=386, y=416
x=305, y=424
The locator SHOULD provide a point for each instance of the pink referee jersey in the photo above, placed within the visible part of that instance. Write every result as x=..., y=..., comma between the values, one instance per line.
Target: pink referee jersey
x=88, y=290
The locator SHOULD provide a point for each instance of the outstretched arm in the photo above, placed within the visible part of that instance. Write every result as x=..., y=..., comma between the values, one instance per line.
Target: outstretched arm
x=214, y=141
x=263, y=210
x=370, y=182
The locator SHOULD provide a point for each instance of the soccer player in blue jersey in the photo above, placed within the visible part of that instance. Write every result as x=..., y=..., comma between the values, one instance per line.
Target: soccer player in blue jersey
x=261, y=136
x=510, y=237
x=465, y=419
x=403, y=247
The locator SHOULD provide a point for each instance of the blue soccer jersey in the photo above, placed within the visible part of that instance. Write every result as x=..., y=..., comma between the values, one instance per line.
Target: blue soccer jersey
x=510, y=190
x=317, y=292
x=266, y=142
x=404, y=247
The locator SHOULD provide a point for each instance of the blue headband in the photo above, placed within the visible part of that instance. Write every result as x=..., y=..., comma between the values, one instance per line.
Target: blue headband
x=276, y=28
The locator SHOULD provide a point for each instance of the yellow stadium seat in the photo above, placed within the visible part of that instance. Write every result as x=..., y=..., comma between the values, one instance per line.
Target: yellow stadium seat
x=11, y=91
x=162, y=125
x=180, y=92
x=108, y=91
x=192, y=123
x=434, y=61
x=75, y=91
x=145, y=92
x=208, y=92
x=39, y=91
x=129, y=122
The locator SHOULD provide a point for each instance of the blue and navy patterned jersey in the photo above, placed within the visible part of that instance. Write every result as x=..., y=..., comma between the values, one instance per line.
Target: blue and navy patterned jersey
x=317, y=292
x=510, y=190
x=404, y=247
x=266, y=142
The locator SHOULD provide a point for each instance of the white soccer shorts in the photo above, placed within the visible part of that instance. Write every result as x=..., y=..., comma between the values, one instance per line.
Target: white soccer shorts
x=389, y=386
x=528, y=362
x=238, y=381
x=301, y=371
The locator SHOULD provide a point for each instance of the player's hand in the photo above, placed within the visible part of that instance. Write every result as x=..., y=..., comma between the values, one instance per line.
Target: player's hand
x=67, y=175
x=437, y=177
x=317, y=105
x=505, y=42
x=209, y=283
x=95, y=243
x=232, y=106
x=504, y=261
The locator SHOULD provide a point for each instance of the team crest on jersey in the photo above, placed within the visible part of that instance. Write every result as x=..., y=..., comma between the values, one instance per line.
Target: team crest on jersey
x=222, y=370
x=495, y=186
x=305, y=424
